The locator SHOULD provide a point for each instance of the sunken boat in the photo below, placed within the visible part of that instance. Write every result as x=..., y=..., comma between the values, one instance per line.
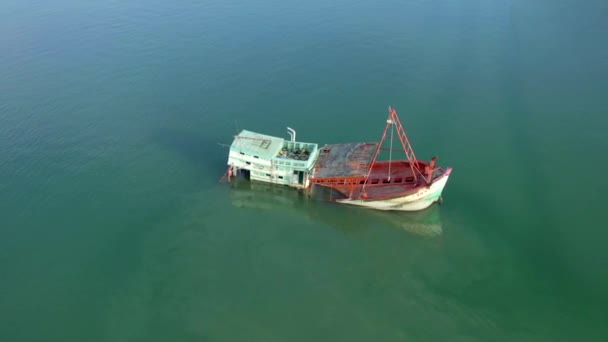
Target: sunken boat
x=348, y=173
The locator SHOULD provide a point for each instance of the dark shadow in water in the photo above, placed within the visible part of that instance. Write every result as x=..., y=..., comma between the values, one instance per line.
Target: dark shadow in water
x=262, y=196
x=203, y=152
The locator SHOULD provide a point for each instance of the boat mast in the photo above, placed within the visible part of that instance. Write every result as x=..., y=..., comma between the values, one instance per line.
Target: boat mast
x=390, y=151
x=393, y=120
x=405, y=142
x=378, y=148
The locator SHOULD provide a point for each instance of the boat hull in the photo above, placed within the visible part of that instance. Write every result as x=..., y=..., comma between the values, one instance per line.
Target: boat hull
x=419, y=200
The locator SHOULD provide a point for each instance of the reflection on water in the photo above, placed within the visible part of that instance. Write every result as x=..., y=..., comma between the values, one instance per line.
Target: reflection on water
x=269, y=197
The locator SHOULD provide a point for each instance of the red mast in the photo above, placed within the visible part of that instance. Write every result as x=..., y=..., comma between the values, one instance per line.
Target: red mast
x=393, y=119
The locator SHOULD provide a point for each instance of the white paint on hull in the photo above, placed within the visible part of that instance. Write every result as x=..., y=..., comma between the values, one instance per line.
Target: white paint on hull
x=419, y=200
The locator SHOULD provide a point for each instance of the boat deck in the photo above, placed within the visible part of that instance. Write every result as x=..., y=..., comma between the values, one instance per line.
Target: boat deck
x=344, y=160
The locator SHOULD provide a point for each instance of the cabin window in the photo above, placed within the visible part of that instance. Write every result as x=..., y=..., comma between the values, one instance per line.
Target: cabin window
x=280, y=177
x=268, y=175
x=256, y=157
x=248, y=163
x=375, y=181
x=409, y=179
x=361, y=182
x=242, y=153
x=398, y=180
x=386, y=181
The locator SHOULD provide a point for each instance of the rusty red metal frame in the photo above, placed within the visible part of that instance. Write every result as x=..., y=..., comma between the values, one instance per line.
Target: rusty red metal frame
x=393, y=119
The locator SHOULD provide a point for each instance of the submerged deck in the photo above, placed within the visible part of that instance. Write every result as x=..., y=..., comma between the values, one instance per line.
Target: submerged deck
x=339, y=161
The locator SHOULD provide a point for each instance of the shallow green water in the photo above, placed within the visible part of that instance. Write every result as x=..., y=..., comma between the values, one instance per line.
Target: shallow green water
x=114, y=227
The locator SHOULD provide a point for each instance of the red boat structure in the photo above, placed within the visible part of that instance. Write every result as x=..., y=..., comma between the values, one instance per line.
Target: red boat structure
x=354, y=172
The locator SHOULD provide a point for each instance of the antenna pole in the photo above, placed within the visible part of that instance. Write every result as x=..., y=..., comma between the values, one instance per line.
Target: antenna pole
x=390, y=152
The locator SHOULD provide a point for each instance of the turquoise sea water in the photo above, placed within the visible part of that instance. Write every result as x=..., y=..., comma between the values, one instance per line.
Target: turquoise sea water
x=113, y=226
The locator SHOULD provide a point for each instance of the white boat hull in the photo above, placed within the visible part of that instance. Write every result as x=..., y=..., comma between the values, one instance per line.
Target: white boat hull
x=421, y=199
